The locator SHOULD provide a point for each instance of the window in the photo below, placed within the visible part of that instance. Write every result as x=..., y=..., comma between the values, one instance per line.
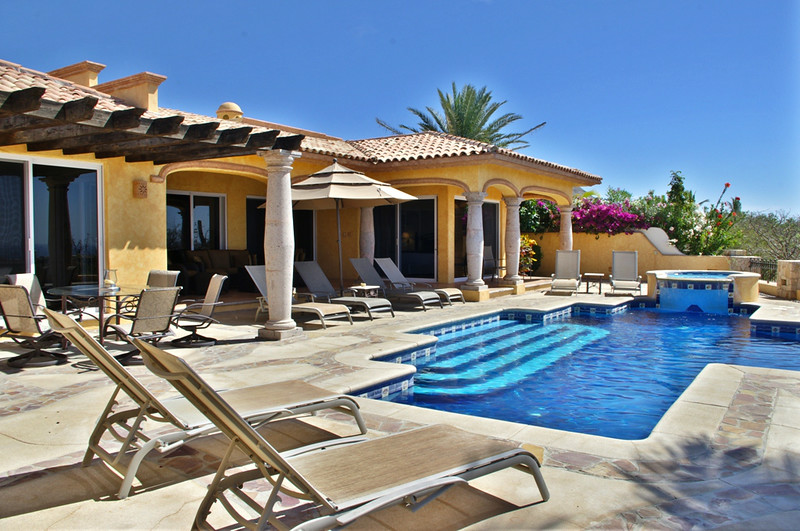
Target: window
x=195, y=221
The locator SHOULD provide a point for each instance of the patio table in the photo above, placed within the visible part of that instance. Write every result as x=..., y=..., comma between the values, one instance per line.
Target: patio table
x=93, y=291
x=595, y=279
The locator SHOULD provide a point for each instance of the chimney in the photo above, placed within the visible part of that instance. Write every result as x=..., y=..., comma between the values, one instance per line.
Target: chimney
x=230, y=111
x=138, y=90
x=83, y=73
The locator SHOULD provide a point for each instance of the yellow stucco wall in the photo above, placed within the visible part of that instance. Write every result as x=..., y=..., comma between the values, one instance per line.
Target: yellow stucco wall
x=596, y=254
x=135, y=228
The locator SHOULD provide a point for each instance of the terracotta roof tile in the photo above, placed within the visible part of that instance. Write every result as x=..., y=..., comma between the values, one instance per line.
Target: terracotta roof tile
x=15, y=77
x=432, y=145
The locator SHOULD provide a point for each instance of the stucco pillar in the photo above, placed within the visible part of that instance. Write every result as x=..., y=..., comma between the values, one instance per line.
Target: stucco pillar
x=279, y=245
x=366, y=238
x=565, y=236
x=512, y=243
x=475, y=289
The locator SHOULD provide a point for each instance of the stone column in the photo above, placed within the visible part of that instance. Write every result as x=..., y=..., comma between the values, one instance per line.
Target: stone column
x=279, y=245
x=366, y=238
x=565, y=236
x=512, y=242
x=475, y=289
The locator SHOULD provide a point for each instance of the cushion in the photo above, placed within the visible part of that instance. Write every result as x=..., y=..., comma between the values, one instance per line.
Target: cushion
x=239, y=258
x=219, y=259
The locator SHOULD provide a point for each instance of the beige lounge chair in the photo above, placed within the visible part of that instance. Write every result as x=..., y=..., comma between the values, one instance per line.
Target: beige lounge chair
x=568, y=271
x=258, y=404
x=321, y=310
x=320, y=287
x=625, y=271
x=23, y=323
x=344, y=482
x=367, y=272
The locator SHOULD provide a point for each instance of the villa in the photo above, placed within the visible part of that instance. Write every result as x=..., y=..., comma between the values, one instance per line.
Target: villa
x=97, y=177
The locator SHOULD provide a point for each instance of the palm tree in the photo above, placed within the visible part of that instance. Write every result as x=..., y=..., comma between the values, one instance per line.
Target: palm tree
x=467, y=113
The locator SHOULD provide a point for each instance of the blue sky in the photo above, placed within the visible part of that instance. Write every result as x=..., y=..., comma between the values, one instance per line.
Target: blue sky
x=630, y=90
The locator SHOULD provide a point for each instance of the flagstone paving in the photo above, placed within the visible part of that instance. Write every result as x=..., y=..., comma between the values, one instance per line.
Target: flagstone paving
x=727, y=455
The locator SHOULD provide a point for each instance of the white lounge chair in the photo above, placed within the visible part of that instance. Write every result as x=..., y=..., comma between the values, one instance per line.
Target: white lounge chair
x=346, y=481
x=320, y=287
x=400, y=282
x=258, y=404
x=321, y=310
x=625, y=271
x=568, y=271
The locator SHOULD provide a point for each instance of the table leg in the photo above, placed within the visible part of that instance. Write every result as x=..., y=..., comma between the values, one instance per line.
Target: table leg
x=101, y=317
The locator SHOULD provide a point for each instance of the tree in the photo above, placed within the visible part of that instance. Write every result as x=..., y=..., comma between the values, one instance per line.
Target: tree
x=467, y=113
x=773, y=235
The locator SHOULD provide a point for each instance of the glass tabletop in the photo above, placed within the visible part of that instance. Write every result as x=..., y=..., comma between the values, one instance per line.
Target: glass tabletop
x=93, y=290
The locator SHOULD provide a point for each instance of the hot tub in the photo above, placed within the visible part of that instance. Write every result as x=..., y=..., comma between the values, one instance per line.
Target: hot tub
x=702, y=291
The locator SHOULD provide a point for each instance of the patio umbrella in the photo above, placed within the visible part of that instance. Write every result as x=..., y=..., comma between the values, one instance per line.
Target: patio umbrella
x=340, y=187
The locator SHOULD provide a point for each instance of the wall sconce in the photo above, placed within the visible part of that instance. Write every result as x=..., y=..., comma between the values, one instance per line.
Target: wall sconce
x=139, y=189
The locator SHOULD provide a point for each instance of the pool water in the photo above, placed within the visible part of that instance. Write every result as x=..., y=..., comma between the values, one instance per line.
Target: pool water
x=612, y=375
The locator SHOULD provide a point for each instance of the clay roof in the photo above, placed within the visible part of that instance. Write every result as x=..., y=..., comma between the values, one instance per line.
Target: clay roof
x=427, y=145
x=436, y=145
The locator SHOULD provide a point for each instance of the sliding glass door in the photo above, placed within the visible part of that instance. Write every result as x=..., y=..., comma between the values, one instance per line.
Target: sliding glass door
x=406, y=233
x=49, y=222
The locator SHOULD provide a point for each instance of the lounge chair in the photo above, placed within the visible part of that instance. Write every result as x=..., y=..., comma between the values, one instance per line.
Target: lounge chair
x=625, y=271
x=320, y=287
x=199, y=315
x=258, y=404
x=367, y=272
x=491, y=265
x=150, y=320
x=400, y=282
x=23, y=322
x=568, y=271
x=321, y=310
x=344, y=482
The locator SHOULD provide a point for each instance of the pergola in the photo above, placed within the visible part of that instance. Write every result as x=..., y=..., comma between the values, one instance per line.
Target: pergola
x=107, y=128
x=46, y=113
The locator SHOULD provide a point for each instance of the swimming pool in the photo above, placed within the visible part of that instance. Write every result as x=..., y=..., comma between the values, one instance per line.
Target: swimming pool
x=612, y=375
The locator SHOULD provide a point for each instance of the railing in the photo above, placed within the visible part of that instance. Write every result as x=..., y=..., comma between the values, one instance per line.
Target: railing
x=768, y=268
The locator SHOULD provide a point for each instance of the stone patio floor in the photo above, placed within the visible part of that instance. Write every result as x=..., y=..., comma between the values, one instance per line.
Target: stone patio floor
x=726, y=455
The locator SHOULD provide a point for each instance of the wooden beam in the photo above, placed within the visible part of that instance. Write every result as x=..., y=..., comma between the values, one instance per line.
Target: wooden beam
x=234, y=136
x=263, y=140
x=202, y=154
x=77, y=110
x=23, y=100
x=165, y=126
x=290, y=143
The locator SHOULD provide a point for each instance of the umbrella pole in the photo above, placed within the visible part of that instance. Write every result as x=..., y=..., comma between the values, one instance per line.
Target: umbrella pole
x=339, y=242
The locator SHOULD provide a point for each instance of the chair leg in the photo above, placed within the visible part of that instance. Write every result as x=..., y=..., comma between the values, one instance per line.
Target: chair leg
x=194, y=340
x=37, y=358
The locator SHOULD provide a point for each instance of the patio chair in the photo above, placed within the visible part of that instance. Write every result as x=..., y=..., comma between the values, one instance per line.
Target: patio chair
x=258, y=404
x=150, y=320
x=320, y=287
x=568, y=271
x=156, y=278
x=625, y=271
x=367, y=272
x=23, y=322
x=344, y=482
x=199, y=315
x=400, y=282
x=321, y=310
x=160, y=278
